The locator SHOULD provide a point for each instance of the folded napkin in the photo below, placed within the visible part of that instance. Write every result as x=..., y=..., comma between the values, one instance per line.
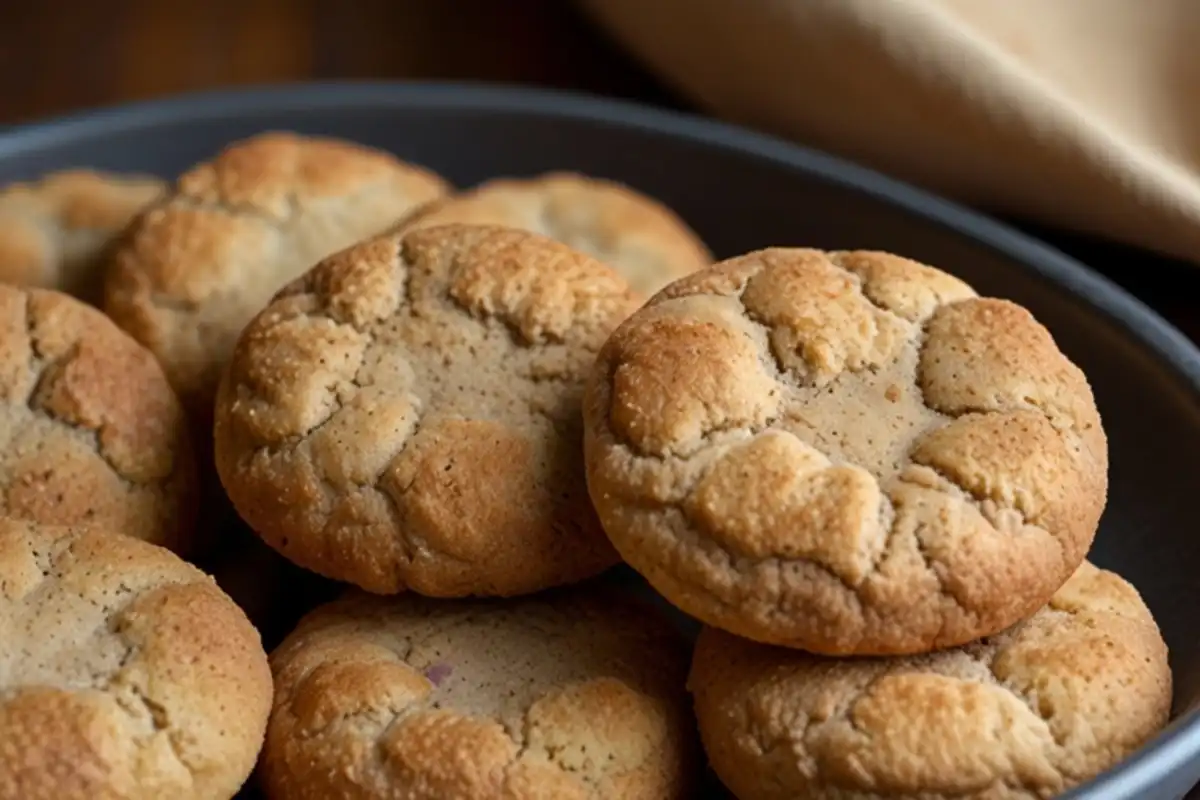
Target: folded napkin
x=1078, y=113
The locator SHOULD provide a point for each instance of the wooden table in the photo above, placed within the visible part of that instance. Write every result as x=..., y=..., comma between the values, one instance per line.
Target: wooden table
x=62, y=55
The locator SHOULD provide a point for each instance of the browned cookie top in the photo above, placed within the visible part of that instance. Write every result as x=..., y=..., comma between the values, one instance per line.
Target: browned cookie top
x=638, y=236
x=1025, y=714
x=195, y=268
x=124, y=672
x=55, y=232
x=90, y=430
x=844, y=452
x=408, y=413
x=574, y=695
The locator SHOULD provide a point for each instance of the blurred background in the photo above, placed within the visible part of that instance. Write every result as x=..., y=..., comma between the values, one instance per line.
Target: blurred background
x=59, y=56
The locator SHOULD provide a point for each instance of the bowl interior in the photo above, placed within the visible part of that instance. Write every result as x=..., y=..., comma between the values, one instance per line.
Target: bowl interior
x=743, y=192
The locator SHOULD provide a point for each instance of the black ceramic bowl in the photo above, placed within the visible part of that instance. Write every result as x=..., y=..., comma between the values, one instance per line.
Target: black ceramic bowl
x=742, y=191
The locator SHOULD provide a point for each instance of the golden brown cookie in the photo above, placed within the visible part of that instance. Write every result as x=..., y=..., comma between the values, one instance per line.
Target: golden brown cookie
x=1027, y=713
x=572, y=695
x=407, y=414
x=844, y=452
x=125, y=672
x=638, y=236
x=195, y=269
x=56, y=231
x=90, y=430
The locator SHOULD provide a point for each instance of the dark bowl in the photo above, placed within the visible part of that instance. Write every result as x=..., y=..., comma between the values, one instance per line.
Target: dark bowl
x=742, y=191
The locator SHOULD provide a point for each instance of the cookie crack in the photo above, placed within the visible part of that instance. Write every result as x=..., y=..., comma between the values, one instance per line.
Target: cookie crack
x=94, y=436
x=31, y=338
x=357, y=382
x=43, y=373
x=692, y=539
x=1063, y=422
x=697, y=449
x=521, y=737
x=485, y=313
x=115, y=624
x=838, y=260
x=931, y=565
x=117, y=683
x=987, y=658
x=785, y=376
x=985, y=503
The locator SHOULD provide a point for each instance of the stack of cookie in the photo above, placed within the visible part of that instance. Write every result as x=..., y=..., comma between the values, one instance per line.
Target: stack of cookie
x=450, y=414
x=124, y=671
x=406, y=418
x=877, y=490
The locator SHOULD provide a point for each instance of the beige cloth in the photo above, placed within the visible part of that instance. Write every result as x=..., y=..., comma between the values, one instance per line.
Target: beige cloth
x=1079, y=113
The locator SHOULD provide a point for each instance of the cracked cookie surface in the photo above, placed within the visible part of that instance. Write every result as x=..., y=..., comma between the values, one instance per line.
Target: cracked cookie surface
x=55, y=232
x=636, y=235
x=1027, y=713
x=194, y=269
x=575, y=694
x=843, y=452
x=125, y=673
x=407, y=414
x=90, y=430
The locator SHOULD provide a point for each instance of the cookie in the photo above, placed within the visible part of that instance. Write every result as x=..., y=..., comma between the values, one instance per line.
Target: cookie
x=92, y=432
x=848, y=453
x=56, y=231
x=193, y=270
x=125, y=672
x=572, y=695
x=638, y=236
x=407, y=415
x=1028, y=713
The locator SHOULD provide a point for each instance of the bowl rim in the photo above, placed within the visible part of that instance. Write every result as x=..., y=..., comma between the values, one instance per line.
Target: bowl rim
x=1176, y=750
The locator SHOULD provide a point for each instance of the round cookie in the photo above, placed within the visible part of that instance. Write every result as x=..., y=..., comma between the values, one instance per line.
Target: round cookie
x=407, y=415
x=92, y=432
x=125, y=672
x=1028, y=713
x=848, y=453
x=195, y=268
x=572, y=695
x=56, y=231
x=638, y=236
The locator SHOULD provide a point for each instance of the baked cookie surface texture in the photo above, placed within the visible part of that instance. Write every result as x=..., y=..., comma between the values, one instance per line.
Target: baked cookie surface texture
x=1028, y=713
x=848, y=453
x=636, y=235
x=92, y=432
x=571, y=695
x=125, y=673
x=193, y=270
x=407, y=415
x=55, y=232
